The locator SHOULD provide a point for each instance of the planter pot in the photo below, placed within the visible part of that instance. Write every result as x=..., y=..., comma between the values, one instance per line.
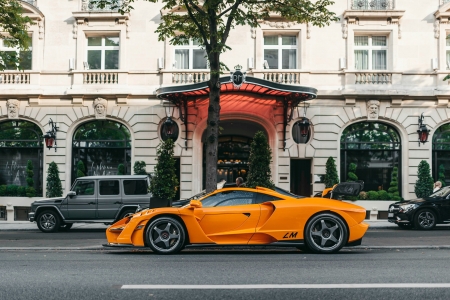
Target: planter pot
x=160, y=202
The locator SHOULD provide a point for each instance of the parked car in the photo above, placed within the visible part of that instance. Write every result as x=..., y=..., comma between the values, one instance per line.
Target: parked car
x=247, y=217
x=422, y=213
x=92, y=199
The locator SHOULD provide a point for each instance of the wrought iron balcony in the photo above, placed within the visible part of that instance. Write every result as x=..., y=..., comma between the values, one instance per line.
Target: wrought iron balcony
x=373, y=4
x=88, y=5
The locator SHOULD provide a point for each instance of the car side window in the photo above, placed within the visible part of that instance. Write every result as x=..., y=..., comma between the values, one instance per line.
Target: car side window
x=135, y=187
x=229, y=198
x=84, y=188
x=109, y=187
x=261, y=198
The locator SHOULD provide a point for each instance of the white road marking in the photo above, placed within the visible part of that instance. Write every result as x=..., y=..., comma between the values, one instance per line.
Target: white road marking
x=286, y=286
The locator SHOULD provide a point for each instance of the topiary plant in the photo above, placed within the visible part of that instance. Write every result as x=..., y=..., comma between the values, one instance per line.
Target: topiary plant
x=139, y=167
x=54, y=187
x=120, y=169
x=259, y=173
x=331, y=175
x=424, y=184
x=164, y=180
x=383, y=195
x=351, y=172
x=80, y=169
x=29, y=191
x=442, y=174
x=372, y=195
x=393, y=186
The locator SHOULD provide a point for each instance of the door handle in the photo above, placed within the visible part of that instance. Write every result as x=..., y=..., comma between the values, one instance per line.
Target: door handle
x=247, y=214
x=91, y=203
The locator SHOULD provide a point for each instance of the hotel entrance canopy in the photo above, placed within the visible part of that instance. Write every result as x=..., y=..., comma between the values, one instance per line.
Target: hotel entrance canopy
x=289, y=95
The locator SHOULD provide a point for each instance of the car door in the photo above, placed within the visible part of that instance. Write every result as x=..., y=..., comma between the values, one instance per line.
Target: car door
x=109, y=198
x=229, y=217
x=83, y=205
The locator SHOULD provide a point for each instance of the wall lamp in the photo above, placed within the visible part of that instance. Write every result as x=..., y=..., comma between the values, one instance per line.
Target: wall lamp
x=423, y=131
x=50, y=137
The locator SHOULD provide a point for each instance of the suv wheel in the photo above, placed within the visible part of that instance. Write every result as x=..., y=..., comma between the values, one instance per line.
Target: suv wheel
x=48, y=221
x=165, y=235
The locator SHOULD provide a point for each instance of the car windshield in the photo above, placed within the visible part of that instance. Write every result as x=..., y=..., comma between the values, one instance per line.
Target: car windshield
x=442, y=193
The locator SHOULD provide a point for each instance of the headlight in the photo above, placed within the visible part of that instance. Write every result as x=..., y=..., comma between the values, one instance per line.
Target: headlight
x=407, y=207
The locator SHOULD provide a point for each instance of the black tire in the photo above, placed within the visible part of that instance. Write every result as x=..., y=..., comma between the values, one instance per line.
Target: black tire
x=405, y=226
x=326, y=233
x=125, y=212
x=425, y=219
x=48, y=221
x=165, y=235
x=65, y=226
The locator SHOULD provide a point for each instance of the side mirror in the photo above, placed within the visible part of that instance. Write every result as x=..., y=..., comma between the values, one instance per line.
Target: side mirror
x=195, y=204
x=71, y=193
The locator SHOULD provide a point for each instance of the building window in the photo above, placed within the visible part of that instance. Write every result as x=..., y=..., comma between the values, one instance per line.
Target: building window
x=190, y=56
x=25, y=56
x=280, y=52
x=441, y=153
x=371, y=52
x=103, y=53
x=375, y=149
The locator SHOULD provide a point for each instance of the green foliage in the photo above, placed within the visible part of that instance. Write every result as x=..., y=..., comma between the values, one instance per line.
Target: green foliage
x=54, y=187
x=2, y=190
x=80, y=169
x=164, y=181
x=259, y=173
x=21, y=191
x=120, y=169
x=372, y=195
x=441, y=174
x=351, y=172
x=14, y=33
x=424, y=184
x=139, y=168
x=393, y=186
x=383, y=195
x=11, y=190
x=30, y=191
x=331, y=175
x=362, y=195
x=30, y=173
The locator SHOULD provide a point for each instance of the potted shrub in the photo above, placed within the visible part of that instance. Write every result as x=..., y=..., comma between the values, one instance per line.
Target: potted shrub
x=393, y=186
x=139, y=168
x=331, y=174
x=80, y=169
x=164, y=180
x=424, y=183
x=259, y=163
x=54, y=187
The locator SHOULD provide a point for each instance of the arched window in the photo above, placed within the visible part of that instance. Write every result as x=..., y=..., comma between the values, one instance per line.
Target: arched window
x=375, y=149
x=441, y=152
x=20, y=141
x=102, y=146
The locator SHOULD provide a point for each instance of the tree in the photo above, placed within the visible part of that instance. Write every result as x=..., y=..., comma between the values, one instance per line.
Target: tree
x=14, y=33
x=351, y=172
x=331, y=175
x=139, y=168
x=121, y=169
x=30, y=191
x=164, y=181
x=210, y=23
x=393, y=186
x=80, y=169
x=424, y=183
x=259, y=173
x=54, y=187
x=442, y=174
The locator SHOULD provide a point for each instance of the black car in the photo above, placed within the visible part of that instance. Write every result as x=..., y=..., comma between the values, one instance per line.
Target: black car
x=422, y=213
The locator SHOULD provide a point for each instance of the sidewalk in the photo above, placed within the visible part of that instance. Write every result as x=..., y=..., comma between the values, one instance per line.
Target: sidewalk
x=25, y=225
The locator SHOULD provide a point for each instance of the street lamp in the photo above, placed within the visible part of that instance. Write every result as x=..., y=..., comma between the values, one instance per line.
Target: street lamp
x=50, y=137
x=169, y=128
x=304, y=125
x=423, y=131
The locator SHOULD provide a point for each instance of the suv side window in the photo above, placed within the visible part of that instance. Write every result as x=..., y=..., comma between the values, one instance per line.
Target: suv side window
x=109, y=187
x=83, y=188
x=135, y=187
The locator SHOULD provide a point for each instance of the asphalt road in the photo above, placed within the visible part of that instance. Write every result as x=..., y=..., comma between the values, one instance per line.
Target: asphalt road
x=94, y=238
x=282, y=274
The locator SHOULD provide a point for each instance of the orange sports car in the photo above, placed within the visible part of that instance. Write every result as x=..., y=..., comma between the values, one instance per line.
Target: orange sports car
x=246, y=217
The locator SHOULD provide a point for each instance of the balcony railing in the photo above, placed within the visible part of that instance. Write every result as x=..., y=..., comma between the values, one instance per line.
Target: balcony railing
x=373, y=78
x=101, y=78
x=373, y=4
x=88, y=5
x=189, y=77
x=282, y=77
x=14, y=78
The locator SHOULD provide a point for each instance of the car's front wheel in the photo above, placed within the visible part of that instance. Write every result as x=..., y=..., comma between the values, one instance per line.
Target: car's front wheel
x=326, y=233
x=165, y=235
x=425, y=219
x=48, y=221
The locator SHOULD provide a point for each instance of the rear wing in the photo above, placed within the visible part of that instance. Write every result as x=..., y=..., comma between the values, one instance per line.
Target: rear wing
x=352, y=188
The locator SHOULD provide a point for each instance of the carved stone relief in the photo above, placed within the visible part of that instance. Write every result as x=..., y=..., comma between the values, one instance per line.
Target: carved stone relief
x=373, y=107
x=12, y=106
x=100, y=108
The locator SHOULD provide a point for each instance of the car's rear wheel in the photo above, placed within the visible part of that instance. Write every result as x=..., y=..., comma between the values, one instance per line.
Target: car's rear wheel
x=425, y=219
x=326, y=233
x=165, y=235
x=48, y=221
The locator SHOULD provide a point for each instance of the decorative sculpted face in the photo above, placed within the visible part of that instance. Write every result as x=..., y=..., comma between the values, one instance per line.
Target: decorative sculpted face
x=100, y=109
x=373, y=110
x=13, y=109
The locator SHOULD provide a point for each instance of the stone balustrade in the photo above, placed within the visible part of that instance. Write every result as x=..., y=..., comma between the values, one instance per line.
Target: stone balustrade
x=373, y=78
x=189, y=77
x=101, y=78
x=282, y=77
x=15, y=78
x=373, y=4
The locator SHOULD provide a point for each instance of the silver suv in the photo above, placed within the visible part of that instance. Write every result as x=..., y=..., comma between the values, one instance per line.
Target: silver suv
x=92, y=199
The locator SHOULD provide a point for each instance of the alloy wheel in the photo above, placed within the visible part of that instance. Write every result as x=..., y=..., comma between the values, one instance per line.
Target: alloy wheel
x=326, y=233
x=47, y=221
x=166, y=235
x=426, y=219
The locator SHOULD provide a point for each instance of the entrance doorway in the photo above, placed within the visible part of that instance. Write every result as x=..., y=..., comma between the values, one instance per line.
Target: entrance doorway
x=301, y=177
x=234, y=150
